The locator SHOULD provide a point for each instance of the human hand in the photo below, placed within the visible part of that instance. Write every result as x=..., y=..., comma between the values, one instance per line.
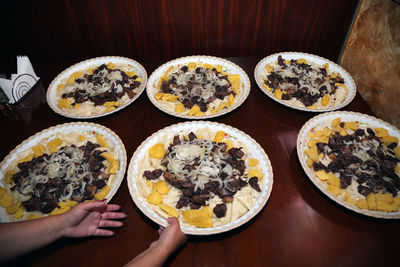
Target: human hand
x=171, y=237
x=87, y=219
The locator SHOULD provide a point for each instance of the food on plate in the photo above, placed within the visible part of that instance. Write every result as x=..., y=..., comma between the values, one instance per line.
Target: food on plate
x=198, y=89
x=304, y=84
x=98, y=89
x=357, y=162
x=57, y=173
x=205, y=178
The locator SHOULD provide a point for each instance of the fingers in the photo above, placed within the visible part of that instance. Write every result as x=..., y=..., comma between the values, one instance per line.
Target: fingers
x=103, y=232
x=110, y=223
x=113, y=215
x=112, y=207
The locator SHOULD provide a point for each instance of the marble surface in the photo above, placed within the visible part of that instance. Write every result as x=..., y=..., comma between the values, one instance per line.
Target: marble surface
x=372, y=57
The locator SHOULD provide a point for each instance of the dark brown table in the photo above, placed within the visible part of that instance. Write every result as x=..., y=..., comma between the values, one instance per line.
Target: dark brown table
x=298, y=225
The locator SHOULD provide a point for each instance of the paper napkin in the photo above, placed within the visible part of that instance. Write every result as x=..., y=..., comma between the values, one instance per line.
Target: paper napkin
x=20, y=83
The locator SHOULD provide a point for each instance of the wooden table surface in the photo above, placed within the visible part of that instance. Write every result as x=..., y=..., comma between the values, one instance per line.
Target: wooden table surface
x=297, y=226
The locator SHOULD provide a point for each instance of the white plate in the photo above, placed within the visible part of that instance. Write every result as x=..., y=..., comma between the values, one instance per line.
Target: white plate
x=320, y=120
x=254, y=149
x=66, y=128
x=52, y=91
x=231, y=67
x=349, y=82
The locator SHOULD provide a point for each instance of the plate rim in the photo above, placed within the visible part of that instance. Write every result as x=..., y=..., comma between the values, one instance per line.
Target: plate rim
x=142, y=86
x=193, y=230
x=246, y=81
x=311, y=176
x=348, y=100
x=123, y=162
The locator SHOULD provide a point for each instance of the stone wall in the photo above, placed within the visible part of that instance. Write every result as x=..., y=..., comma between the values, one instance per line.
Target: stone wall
x=372, y=57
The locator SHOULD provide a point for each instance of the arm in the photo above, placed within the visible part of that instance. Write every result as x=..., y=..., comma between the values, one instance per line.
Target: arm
x=83, y=220
x=170, y=239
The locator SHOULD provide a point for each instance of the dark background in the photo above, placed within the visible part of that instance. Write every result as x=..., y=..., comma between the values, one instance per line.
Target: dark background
x=163, y=30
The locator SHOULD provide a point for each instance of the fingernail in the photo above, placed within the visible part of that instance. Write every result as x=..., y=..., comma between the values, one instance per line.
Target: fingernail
x=104, y=200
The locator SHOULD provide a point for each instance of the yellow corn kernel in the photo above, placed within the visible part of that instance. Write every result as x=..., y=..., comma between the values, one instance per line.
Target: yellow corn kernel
x=233, y=77
x=27, y=158
x=64, y=103
x=208, y=66
x=110, y=65
x=312, y=153
x=231, y=99
x=60, y=87
x=161, y=187
x=111, y=104
x=130, y=73
x=325, y=100
x=381, y=132
x=157, y=151
x=253, y=162
x=108, y=156
x=199, y=113
x=38, y=150
x=81, y=138
x=179, y=107
x=102, y=142
x=326, y=66
x=200, y=218
x=278, y=93
x=114, y=167
x=170, y=210
x=212, y=110
x=14, y=207
x=322, y=175
x=287, y=62
x=397, y=151
x=218, y=68
x=301, y=61
x=33, y=216
x=333, y=180
x=390, y=139
x=309, y=162
x=266, y=87
x=76, y=105
x=6, y=200
x=54, y=144
x=335, y=122
x=154, y=198
x=255, y=173
x=334, y=75
x=229, y=144
x=158, y=96
x=219, y=136
x=102, y=194
x=17, y=215
x=340, y=130
x=8, y=177
x=192, y=65
x=235, y=86
x=362, y=203
x=60, y=210
x=350, y=125
x=109, y=109
x=139, y=79
x=168, y=71
x=335, y=190
x=221, y=106
x=371, y=199
x=169, y=97
x=269, y=68
x=194, y=110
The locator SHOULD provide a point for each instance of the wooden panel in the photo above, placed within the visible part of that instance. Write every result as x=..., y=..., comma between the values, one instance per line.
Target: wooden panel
x=167, y=29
